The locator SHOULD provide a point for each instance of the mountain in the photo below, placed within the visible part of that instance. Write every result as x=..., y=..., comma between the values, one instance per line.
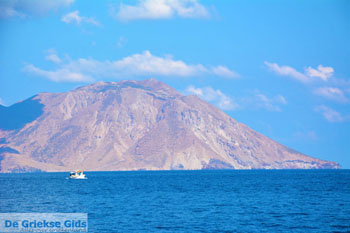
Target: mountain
x=133, y=125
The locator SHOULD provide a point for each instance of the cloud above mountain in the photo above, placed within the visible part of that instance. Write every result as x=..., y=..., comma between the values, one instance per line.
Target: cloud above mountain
x=271, y=104
x=217, y=97
x=143, y=64
x=160, y=9
x=331, y=93
x=321, y=72
x=254, y=101
x=52, y=56
x=286, y=71
x=310, y=74
x=330, y=114
x=75, y=18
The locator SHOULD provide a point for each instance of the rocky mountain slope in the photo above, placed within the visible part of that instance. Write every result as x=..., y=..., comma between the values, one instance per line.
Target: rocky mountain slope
x=133, y=125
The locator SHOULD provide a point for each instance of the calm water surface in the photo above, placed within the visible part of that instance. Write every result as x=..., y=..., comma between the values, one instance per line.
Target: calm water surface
x=189, y=201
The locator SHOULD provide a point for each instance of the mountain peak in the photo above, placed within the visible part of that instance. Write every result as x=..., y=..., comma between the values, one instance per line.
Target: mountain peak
x=146, y=85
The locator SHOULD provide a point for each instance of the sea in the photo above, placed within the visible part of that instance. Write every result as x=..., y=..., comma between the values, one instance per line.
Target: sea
x=189, y=201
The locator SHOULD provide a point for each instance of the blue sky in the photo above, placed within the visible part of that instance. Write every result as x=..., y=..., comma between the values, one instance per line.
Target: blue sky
x=281, y=67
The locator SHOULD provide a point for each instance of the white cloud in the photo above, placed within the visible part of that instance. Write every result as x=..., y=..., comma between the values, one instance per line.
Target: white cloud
x=144, y=64
x=214, y=96
x=74, y=17
x=280, y=99
x=61, y=75
x=254, y=101
x=225, y=72
x=52, y=56
x=331, y=93
x=321, y=72
x=269, y=103
x=330, y=114
x=287, y=71
x=195, y=91
x=24, y=8
x=161, y=9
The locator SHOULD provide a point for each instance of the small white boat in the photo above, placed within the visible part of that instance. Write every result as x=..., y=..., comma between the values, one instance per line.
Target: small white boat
x=79, y=174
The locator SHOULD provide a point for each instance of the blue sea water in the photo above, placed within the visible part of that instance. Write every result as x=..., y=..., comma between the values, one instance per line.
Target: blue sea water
x=189, y=201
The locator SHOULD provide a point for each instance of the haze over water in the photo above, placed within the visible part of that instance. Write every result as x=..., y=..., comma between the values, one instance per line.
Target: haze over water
x=189, y=201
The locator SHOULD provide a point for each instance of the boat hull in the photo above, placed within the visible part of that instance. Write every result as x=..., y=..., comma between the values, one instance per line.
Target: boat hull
x=76, y=178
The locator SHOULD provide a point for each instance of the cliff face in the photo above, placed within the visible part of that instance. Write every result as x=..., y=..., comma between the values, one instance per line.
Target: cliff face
x=132, y=125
